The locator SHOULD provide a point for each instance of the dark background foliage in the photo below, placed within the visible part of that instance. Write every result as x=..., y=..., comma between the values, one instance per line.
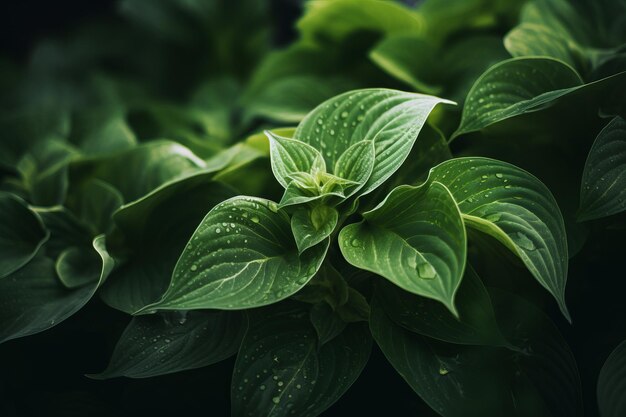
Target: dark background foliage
x=43, y=375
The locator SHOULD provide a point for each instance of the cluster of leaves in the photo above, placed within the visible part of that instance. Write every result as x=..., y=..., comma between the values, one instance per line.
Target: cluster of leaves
x=375, y=219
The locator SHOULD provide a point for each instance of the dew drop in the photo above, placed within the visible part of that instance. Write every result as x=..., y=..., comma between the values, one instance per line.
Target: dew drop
x=523, y=241
x=498, y=175
x=262, y=387
x=443, y=371
x=344, y=114
x=356, y=243
x=194, y=267
x=218, y=230
x=255, y=219
x=426, y=271
x=276, y=400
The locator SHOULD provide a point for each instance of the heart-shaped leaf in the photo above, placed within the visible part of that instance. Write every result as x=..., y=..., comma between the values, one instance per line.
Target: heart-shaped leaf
x=282, y=369
x=33, y=299
x=415, y=238
x=603, y=189
x=612, y=383
x=242, y=255
x=513, y=206
x=160, y=344
x=390, y=119
x=21, y=234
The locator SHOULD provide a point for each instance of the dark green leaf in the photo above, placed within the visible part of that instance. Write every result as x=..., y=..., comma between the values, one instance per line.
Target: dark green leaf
x=160, y=344
x=21, y=234
x=326, y=322
x=282, y=369
x=603, y=190
x=612, y=384
x=312, y=225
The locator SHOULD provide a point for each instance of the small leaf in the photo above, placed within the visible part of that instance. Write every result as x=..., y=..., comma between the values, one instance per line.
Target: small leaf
x=95, y=204
x=33, y=300
x=612, y=384
x=242, y=255
x=391, y=119
x=514, y=87
x=517, y=209
x=476, y=324
x=160, y=344
x=356, y=164
x=415, y=238
x=291, y=156
x=21, y=234
x=312, y=225
x=603, y=189
x=297, y=375
x=77, y=266
x=326, y=286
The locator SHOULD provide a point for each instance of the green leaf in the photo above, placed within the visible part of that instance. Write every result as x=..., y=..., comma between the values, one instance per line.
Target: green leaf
x=326, y=21
x=603, y=189
x=33, y=299
x=152, y=238
x=612, y=383
x=326, y=286
x=77, y=266
x=356, y=164
x=290, y=156
x=95, y=203
x=515, y=87
x=536, y=378
x=312, y=225
x=165, y=343
x=242, y=255
x=21, y=234
x=415, y=238
x=391, y=119
x=476, y=324
x=297, y=375
x=326, y=322
x=514, y=207
x=149, y=165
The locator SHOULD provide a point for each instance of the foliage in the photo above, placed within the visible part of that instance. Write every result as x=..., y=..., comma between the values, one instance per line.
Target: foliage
x=296, y=206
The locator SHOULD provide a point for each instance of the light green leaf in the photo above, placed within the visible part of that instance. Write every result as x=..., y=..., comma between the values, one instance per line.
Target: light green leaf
x=517, y=209
x=298, y=376
x=537, y=377
x=21, y=234
x=612, y=384
x=603, y=189
x=152, y=239
x=311, y=225
x=290, y=156
x=165, y=343
x=332, y=21
x=33, y=299
x=476, y=324
x=514, y=87
x=415, y=238
x=391, y=119
x=242, y=255
x=356, y=164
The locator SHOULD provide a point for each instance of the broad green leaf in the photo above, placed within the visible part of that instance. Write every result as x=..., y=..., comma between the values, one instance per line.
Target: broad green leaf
x=101, y=131
x=529, y=39
x=514, y=87
x=332, y=21
x=160, y=344
x=603, y=190
x=612, y=384
x=242, y=255
x=290, y=156
x=66, y=230
x=21, y=234
x=538, y=377
x=476, y=324
x=311, y=225
x=514, y=207
x=415, y=238
x=391, y=119
x=297, y=375
x=326, y=322
x=33, y=299
x=153, y=238
x=149, y=165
